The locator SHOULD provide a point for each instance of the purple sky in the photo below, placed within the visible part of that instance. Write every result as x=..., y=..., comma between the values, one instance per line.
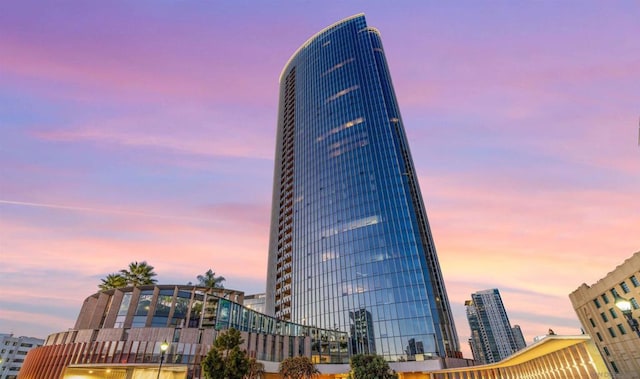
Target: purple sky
x=145, y=130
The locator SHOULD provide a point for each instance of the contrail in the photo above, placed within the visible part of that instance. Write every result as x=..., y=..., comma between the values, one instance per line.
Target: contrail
x=110, y=211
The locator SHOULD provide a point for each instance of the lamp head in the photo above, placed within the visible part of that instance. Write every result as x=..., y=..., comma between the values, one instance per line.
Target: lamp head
x=623, y=304
x=164, y=346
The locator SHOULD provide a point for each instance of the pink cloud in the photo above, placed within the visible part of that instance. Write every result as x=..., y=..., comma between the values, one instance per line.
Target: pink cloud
x=501, y=221
x=177, y=249
x=234, y=250
x=161, y=60
x=209, y=133
x=30, y=321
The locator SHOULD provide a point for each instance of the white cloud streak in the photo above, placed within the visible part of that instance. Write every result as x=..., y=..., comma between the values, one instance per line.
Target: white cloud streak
x=107, y=211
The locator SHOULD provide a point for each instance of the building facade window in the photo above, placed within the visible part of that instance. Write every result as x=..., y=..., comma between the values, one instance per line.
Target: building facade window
x=625, y=287
x=613, y=313
x=593, y=323
x=122, y=311
x=612, y=332
x=606, y=351
x=599, y=336
x=634, y=303
x=604, y=317
x=181, y=308
x=142, y=310
x=597, y=303
x=634, y=281
x=621, y=329
x=163, y=307
x=614, y=367
x=605, y=298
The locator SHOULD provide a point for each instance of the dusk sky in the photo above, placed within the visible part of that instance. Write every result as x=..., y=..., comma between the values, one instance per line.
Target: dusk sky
x=145, y=130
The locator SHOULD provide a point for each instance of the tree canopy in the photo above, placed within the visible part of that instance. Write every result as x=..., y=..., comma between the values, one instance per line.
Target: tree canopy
x=225, y=360
x=364, y=366
x=256, y=369
x=299, y=367
x=210, y=280
x=112, y=281
x=137, y=274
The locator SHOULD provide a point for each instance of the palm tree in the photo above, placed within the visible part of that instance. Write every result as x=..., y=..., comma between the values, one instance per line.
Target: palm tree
x=138, y=274
x=210, y=280
x=112, y=281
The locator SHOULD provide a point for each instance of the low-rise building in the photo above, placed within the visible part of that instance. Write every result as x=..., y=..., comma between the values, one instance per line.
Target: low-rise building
x=616, y=334
x=552, y=357
x=119, y=332
x=119, y=335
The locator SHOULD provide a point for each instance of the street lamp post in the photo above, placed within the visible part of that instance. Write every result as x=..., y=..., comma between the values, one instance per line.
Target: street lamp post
x=625, y=306
x=163, y=348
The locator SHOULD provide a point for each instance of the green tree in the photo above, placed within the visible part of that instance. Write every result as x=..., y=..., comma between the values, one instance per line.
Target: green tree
x=256, y=369
x=299, y=367
x=112, y=281
x=138, y=274
x=225, y=360
x=364, y=366
x=210, y=280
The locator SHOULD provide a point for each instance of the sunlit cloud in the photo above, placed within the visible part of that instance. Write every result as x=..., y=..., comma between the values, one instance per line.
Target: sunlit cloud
x=112, y=211
x=208, y=133
x=232, y=245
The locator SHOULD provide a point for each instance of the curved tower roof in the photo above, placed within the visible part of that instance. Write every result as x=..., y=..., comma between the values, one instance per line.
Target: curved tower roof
x=350, y=245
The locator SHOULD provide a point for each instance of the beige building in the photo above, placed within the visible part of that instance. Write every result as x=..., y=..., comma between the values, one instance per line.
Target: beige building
x=615, y=334
x=552, y=357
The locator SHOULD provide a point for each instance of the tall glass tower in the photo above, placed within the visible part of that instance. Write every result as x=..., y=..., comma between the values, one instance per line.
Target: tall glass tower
x=350, y=245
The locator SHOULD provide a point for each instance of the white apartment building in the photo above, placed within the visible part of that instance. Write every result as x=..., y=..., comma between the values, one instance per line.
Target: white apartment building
x=13, y=350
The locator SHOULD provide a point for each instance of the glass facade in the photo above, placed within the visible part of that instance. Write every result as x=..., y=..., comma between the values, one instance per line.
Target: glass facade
x=350, y=245
x=181, y=307
x=187, y=308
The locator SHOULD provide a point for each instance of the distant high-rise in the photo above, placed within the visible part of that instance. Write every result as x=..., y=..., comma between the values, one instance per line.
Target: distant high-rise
x=492, y=338
x=517, y=334
x=350, y=244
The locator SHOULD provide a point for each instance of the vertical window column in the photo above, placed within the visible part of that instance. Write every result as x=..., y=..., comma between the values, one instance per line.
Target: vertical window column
x=285, y=221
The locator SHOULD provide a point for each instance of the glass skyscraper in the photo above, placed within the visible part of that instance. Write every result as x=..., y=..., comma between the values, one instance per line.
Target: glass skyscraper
x=350, y=244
